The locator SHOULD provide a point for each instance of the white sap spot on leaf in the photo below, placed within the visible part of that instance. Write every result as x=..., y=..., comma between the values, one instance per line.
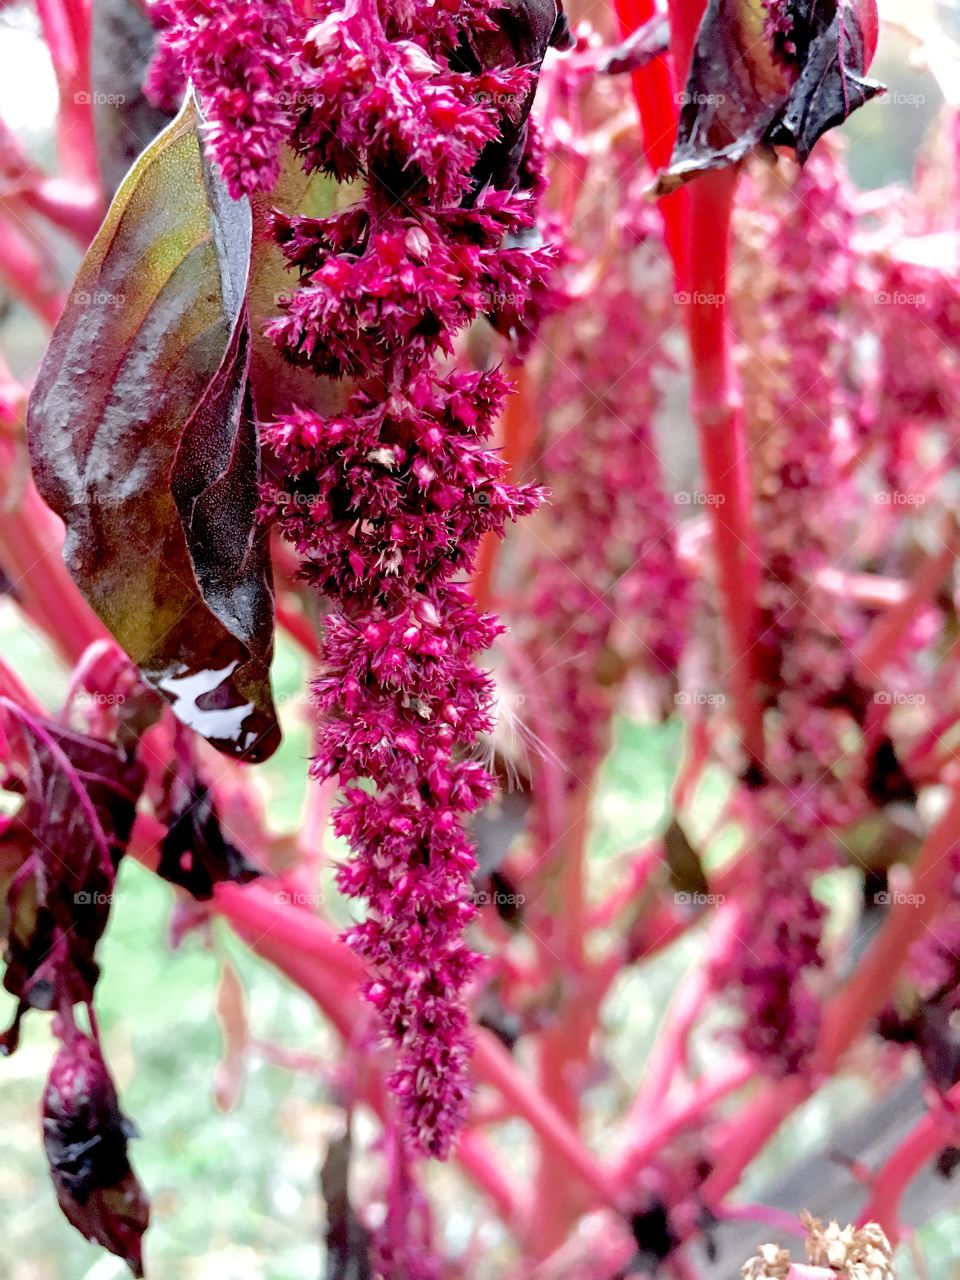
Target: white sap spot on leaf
x=185, y=691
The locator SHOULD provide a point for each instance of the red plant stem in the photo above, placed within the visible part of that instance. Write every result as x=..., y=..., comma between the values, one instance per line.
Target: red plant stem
x=651, y=934
x=485, y=1166
x=745, y=1136
x=572, y=912
x=850, y=1012
x=669, y=1053
x=310, y=837
x=777, y=1219
x=255, y=908
x=661, y=1129
x=696, y=756
x=66, y=31
x=872, y=590
x=560, y=1051
x=939, y=729
x=654, y=90
x=299, y=629
x=723, y=444
x=563, y=1044
x=934, y=1131
x=716, y=405
x=494, y=1066
x=24, y=273
x=882, y=642
x=31, y=538
x=642, y=865
x=12, y=687
x=72, y=207
x=855, y=1006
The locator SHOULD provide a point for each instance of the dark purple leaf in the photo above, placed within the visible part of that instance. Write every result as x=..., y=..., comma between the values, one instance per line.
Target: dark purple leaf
x=831, y=84
x=62, y=850
x=85, y=1138
x=521, y=37
x=195, y=854
x=751, y=83
x=141, y=438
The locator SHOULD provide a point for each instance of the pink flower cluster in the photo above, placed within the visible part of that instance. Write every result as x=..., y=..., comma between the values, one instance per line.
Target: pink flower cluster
x=239, y=58
x=387, y=502
x=404, y=280
x=797, y=262
x=393, y=105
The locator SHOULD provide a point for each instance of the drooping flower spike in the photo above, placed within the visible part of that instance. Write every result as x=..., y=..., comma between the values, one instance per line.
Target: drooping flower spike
x=387, y=501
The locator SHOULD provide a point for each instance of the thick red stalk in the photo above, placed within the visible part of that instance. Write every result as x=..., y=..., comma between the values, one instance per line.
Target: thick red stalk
x=716, y=404
x=66, y=30
x=24, y=272
x=655, y=92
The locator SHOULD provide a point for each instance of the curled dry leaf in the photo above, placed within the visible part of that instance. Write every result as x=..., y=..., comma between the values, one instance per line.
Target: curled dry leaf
x=780, y=73
x=85, y=1138
x=195, y=853
x=142, y=439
